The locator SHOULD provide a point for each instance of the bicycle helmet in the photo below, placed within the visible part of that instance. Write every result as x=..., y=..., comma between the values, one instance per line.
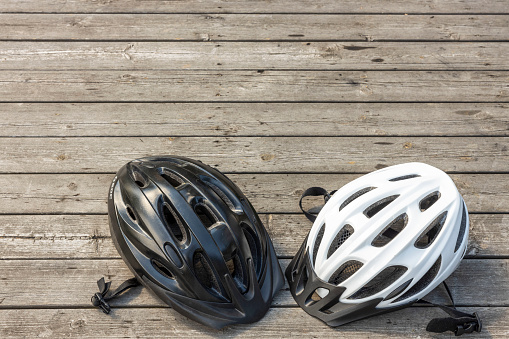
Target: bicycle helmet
x=380, y=243
x=190, y=236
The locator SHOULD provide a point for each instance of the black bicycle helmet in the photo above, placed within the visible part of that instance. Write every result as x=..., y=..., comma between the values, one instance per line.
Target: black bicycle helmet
x=190, y=236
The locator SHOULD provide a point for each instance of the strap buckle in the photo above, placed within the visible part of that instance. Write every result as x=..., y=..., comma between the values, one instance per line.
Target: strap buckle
x=98, y=301
x=469, y=327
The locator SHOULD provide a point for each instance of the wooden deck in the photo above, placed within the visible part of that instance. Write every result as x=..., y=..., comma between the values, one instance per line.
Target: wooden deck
x=281, y=95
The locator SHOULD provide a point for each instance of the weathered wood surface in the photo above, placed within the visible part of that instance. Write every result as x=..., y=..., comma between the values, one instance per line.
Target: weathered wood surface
x=253, y=27
x=279, y=322
x=88, y=236
x=269, y=193
x=71, y=55
x=257, y=154
x=245, y=6
x=254, y=119
x=80, y=276
x=260, y=85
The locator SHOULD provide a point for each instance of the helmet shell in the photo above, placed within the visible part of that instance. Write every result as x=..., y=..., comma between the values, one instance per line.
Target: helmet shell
x=192, y=238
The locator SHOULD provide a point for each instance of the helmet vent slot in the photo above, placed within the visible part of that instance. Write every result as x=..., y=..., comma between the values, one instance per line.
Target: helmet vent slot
x=405, y=177
x=379, y=205
x=162, y=269
x=431, y=232
x=203, y=272
x=317, y=243
x=423, y=282
x=345, y=271
x=140, y=179
x=235, y=269
x=254, y=246
x=130, y=212
x=171, y=178
x=314, y=297
x=463, y=227
x=205, y=214
x=429, y=200
x=221, y=194
x=398, y=290
x=355, y=196
x=303, y=280
x=383, y=280
x=390, y=231
x=173, y=223
x=340, y=238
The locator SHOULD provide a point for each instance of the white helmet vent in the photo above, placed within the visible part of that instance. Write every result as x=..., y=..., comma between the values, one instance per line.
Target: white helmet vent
x=404, y=177
x=423, y=282
x=463, y=227
x=429, y=200
x=345, y=271
x=390, y=231
x=398, y=290
x=379, y=205
x=340, y=238
x=318, y=241
x=355, y=196
x=383, y=280
x=431, y=232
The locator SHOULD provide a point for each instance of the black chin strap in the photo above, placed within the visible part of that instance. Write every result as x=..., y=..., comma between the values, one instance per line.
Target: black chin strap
x=100, y=298
x=458, y=322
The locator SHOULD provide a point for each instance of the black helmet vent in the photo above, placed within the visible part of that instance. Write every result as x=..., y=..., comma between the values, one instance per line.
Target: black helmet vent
x=174, y=224
x=463, y=227
x=221, y=194
x=431, y=232
x=383, y=280
x=398, y=290
x=139, y=179
x=235, y=268
x=423, y=282
x=205, y=214
x=355, y=196
x=162, y=269
x=203, y=272
x=429, y=200
x=379, y=205
x=254, y=246
x=171, y=178
x=340, y=238
x=344, y=272
x=303, y=280
x=130, y=212
x=390, y=231
x=314, y=297
x=405, y=177
x=317, y=243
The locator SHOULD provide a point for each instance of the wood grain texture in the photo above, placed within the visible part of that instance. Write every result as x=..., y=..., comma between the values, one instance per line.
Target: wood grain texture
x=31, y=290
x=246, y=6
x=269, y=193
x=88, y=236
x=288, y=86
x=253, y=119
x=256, y=154
x=278, y=322
x=253, y=27
x=70, y=55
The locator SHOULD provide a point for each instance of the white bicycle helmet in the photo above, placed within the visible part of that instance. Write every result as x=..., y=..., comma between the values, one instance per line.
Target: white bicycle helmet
x=380, y=243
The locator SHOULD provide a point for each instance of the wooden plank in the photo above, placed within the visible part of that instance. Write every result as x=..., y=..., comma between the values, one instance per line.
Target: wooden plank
x=269, y=193
x=266, y=55
x=277, y=323
x=88, y=236
x=256, y=154
x=259, y=27
x=253, y=119
x=288, y=86
x=25, y=283
x=243, y=6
